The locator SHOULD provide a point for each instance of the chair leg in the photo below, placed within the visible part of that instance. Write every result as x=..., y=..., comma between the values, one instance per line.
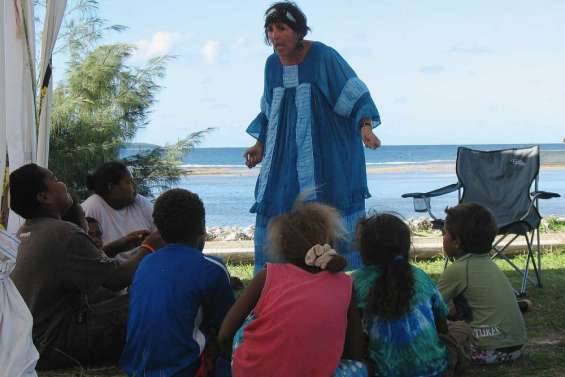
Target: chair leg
x=532, y=258
x=536, y=265
x=524, y=286
x=445, y=262
x=539, y=257
x=499, y=252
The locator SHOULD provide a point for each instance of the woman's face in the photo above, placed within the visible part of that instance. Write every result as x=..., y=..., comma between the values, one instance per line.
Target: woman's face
x=283, y=38
x=123, y=192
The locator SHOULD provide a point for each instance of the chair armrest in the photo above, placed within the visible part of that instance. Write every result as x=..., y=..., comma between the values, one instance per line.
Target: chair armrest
x=544, y=195
x=438, y=192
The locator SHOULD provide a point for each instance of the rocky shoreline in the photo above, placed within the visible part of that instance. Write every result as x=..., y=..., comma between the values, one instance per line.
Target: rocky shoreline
x=420, y=226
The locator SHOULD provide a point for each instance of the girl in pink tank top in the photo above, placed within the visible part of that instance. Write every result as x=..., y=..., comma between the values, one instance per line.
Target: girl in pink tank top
x=298, y=318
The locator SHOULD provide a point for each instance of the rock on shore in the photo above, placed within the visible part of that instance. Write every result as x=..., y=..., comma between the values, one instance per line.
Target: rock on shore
x=417, y=225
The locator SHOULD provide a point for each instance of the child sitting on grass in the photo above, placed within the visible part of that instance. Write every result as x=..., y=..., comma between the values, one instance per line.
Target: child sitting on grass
x=179, y=296
x=401, y=307
x=480, y=292
x=298, y=320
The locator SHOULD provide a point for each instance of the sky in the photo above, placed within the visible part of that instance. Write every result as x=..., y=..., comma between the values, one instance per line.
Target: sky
x=440, y=72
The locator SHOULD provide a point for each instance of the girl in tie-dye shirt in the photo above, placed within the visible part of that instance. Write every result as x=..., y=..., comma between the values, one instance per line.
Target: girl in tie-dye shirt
x=402, y=308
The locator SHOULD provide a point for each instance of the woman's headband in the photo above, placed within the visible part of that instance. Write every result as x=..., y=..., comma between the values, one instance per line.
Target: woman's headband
x=286, y=14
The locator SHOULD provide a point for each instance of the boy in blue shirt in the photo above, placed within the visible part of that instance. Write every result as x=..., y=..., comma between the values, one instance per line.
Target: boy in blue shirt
x=179, y=296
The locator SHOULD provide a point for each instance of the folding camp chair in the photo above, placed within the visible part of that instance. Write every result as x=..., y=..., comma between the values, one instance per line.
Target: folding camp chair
x=500, y=181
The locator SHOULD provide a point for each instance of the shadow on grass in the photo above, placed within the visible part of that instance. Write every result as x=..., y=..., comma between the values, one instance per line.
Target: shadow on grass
x=544, y=354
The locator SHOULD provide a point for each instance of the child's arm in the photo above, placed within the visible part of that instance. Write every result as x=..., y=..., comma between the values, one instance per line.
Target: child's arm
x=240, y=310
x=355, y=348
x=452, y=282
x=441, y=324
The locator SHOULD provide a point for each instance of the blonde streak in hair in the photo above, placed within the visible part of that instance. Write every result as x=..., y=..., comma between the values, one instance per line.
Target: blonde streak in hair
x=336, y=229
x=301, y=199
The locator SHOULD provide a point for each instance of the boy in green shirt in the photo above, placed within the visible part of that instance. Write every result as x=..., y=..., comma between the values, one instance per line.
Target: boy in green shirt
x=477, y=290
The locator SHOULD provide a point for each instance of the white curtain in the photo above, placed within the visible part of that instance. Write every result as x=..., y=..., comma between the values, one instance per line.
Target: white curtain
x=18, y=356
x=3, y=93
x=20, y=82
x=51, y=26
x=19, y=76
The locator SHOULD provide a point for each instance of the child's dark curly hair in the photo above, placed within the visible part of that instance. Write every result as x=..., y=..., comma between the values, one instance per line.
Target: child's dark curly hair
x=179, y=216
x=291, y=235
x=474, y=225
x=384, y=240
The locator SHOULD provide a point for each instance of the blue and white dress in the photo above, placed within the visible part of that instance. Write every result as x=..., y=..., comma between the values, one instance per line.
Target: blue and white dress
x=309, y=126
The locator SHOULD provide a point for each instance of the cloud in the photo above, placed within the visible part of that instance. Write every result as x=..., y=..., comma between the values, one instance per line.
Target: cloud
x=238, y=43
x=468, y=48
x=432, y=69
x=206, y=80
x=207, y=100
x=210, y=51
x=161, y=43
x=400, y=100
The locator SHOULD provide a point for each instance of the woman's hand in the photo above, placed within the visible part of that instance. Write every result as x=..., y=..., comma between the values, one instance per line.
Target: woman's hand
x=133, y=239
x=254, y=155
x=154, y=240
x=127, y=242
x=370, y=140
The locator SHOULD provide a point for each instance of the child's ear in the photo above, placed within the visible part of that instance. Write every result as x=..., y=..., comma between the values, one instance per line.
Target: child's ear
x=457, y=242
x=43, y=198
x=201, y=241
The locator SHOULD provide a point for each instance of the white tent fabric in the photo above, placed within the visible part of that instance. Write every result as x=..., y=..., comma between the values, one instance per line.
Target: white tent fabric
x=2, y=96
x=18, y=356
x=18, y=137
x=19, y=83
x=53, y=20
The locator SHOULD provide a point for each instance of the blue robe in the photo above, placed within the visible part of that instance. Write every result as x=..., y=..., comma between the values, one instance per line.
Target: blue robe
x=309, y=126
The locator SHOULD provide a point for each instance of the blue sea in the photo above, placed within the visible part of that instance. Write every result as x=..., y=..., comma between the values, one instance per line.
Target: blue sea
x=228, y=197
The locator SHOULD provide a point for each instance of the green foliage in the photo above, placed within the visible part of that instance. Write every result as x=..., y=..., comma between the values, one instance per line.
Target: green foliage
x=160, y=168
x=555, y=224
x=100, y=105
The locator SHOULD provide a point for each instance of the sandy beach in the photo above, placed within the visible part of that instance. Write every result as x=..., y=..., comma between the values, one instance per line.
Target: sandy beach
x=371, y=169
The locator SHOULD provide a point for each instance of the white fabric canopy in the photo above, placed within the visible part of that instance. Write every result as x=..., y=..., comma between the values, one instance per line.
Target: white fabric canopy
x=19, y=47
x=2, y=96
x=53, y=20
x=19, y=356
x=18, y=105
x=19, y=82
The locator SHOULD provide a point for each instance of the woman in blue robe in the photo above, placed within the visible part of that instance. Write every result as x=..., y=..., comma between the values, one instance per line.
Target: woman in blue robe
x=315, y=117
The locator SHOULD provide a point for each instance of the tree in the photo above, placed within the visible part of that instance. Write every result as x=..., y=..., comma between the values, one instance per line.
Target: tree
x=102, y=103
x=160, y=168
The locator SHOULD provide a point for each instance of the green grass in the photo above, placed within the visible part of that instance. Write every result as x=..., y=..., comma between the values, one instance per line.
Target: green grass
x=555, y=224
x=544, y=354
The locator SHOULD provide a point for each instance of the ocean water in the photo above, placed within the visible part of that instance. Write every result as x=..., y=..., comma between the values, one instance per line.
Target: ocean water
x=386, y=155
x=227, y=198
